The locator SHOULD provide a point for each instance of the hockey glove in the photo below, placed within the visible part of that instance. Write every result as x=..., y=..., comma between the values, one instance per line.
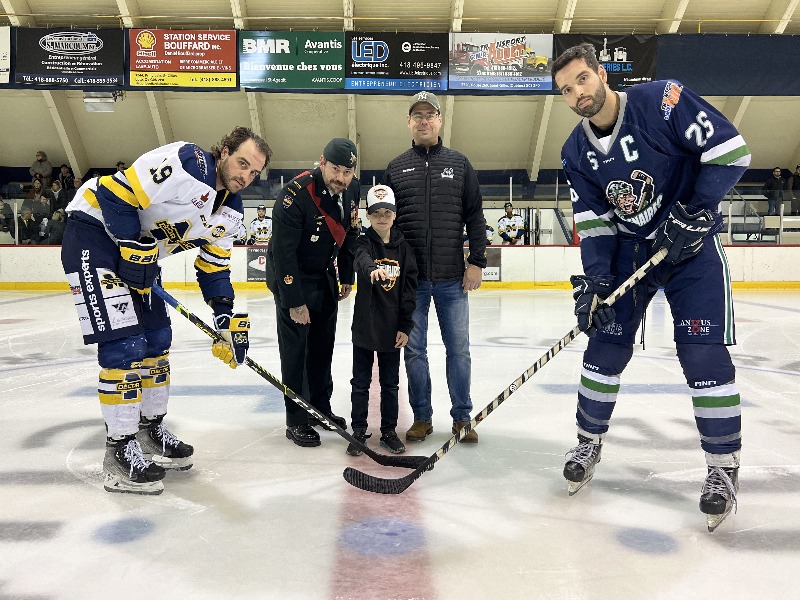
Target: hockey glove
x=589, y=294
x=682, y=233
x=232, y=349
x=138, y=265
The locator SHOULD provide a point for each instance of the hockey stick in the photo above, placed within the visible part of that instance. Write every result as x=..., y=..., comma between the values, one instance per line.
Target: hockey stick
x=408, y=462
x=380, y=485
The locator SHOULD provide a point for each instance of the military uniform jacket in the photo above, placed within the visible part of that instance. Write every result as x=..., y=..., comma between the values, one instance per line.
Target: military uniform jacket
x=302, y=252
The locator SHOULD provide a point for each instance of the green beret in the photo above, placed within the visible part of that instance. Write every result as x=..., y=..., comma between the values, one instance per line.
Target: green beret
x=341, y=151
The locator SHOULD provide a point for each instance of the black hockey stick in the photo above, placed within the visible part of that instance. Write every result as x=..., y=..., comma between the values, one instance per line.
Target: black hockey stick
x=408, y=462
x=380, y=485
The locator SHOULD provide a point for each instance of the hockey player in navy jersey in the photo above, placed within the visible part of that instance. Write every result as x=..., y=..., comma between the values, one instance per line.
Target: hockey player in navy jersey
x=648, y=168
x=171, y=199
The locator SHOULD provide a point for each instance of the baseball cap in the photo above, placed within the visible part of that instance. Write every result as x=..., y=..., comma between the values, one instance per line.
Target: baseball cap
x=341, y=151
x=380, y=196
x=261, y=207
x=424, y=97
x=507, y=204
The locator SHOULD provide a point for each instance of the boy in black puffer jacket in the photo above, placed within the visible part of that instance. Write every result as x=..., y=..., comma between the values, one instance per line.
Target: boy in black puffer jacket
x=385, y=301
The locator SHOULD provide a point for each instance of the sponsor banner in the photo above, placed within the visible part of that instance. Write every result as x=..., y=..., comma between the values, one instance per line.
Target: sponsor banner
x=71, y=57
x=500, y=61
x=182, y=58
x=396, y=61
x=257, y=264
x=5, y=53
x=628, y=59
x=294, y=60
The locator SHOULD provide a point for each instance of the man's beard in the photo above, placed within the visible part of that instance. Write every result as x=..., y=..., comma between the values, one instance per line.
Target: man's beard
x=598, y=99
x=225, y=176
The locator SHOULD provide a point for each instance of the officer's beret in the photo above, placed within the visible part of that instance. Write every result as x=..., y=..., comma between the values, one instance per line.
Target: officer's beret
x=341, y=151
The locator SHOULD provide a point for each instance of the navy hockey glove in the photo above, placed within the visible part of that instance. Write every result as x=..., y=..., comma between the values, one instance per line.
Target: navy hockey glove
x=682, y=233
x=138, y=265
x=232, y=349
x=589, y=294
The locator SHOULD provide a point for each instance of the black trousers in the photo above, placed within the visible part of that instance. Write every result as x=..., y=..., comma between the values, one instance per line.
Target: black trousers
x=306, y=353
x=389, y=377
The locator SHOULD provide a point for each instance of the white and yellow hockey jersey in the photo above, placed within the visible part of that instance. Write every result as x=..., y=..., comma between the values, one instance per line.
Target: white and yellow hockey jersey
x=169, y=194
x=260, y=231
x=513, y=226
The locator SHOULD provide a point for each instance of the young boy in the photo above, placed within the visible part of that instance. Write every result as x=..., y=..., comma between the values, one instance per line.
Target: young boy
x=387, y=288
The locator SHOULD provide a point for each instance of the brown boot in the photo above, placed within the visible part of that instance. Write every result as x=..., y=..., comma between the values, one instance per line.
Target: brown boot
x=470, y=438
x=419, y=431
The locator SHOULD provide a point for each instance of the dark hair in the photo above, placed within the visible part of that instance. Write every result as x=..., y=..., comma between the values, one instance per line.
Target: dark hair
x=585, y=52
x=777, y=169
x=236, y=138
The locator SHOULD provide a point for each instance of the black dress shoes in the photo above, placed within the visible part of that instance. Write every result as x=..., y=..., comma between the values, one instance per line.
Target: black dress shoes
x=340, y=421
x=303, y=435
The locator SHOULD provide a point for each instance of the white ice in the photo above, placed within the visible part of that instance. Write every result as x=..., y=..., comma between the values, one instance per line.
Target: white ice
x=258, y=517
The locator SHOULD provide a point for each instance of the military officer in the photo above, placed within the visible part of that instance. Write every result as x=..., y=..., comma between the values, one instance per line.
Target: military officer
x=314, y=223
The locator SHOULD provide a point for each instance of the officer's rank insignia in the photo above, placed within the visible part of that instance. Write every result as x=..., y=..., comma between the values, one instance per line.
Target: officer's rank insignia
x=288, y=280
x=287, y=202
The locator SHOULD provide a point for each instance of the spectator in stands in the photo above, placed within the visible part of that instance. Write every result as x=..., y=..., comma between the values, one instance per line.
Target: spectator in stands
x=774, y=190
x=121, y=165
x=793, y=190
x=42, y=207
x=27, y=227
x=70, y=193
x=41, y=169
x=6, y=217
x=54, y=230
x=36, y=190
x=58, y=197
x=95, y=173
x=66, y=177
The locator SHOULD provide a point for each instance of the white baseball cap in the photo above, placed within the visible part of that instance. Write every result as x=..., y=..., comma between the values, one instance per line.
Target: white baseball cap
x=380, y=196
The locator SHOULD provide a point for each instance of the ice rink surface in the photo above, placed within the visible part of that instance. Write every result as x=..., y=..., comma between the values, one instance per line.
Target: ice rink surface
x=258, y=517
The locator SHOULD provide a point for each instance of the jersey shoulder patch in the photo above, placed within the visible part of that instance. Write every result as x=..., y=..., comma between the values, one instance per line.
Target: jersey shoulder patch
x=198, y=163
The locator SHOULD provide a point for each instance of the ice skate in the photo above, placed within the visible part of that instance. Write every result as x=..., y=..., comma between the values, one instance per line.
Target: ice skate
x=718, y=496
x=160, y=445
x=580, y=467
x=126, y=470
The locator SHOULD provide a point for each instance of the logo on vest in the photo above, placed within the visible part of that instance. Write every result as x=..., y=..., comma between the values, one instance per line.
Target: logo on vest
x=448, y=172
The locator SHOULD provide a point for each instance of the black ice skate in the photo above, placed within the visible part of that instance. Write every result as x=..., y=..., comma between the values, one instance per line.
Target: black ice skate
x=718, y=496
x=126, y=470
x=160, y=445
x=580, y=467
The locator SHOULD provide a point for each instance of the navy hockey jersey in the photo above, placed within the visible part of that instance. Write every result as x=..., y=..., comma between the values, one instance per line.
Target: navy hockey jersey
x=668, y=145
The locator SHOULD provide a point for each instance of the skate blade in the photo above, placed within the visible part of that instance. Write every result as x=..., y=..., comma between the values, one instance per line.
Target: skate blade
x=171, y=464
x=153, y=488
x=574, y=486
x=714, y=521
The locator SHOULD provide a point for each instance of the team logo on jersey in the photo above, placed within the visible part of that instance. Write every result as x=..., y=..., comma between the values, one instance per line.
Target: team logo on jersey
x=624, y=197
x=392, y=267
x=448, y=172
x=201, y=160
x=672, y=95
x=287, y=202
x=218, y=231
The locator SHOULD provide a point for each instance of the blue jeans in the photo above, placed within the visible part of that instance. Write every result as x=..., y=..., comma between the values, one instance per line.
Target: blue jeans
x=452, y=310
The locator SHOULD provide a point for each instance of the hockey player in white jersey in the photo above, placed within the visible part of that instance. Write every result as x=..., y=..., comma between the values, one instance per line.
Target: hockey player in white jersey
x=511, y=227
x=260, y=230
x=647, y=169
x=171, y=199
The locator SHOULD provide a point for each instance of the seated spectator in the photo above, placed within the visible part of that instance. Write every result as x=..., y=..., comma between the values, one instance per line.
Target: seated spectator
x=95, y=174
x=41, y=169
x=65, y=177
x=36, y=190
x=42, y=207
x=6, y=217
x=54, y=230
x=58, y=197
x=27, y=227
x=70, y=193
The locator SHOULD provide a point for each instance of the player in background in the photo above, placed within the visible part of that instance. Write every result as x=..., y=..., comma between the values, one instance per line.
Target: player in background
x=647, y=169
x=174, y=198
x=511, y=227
x=260, y=228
